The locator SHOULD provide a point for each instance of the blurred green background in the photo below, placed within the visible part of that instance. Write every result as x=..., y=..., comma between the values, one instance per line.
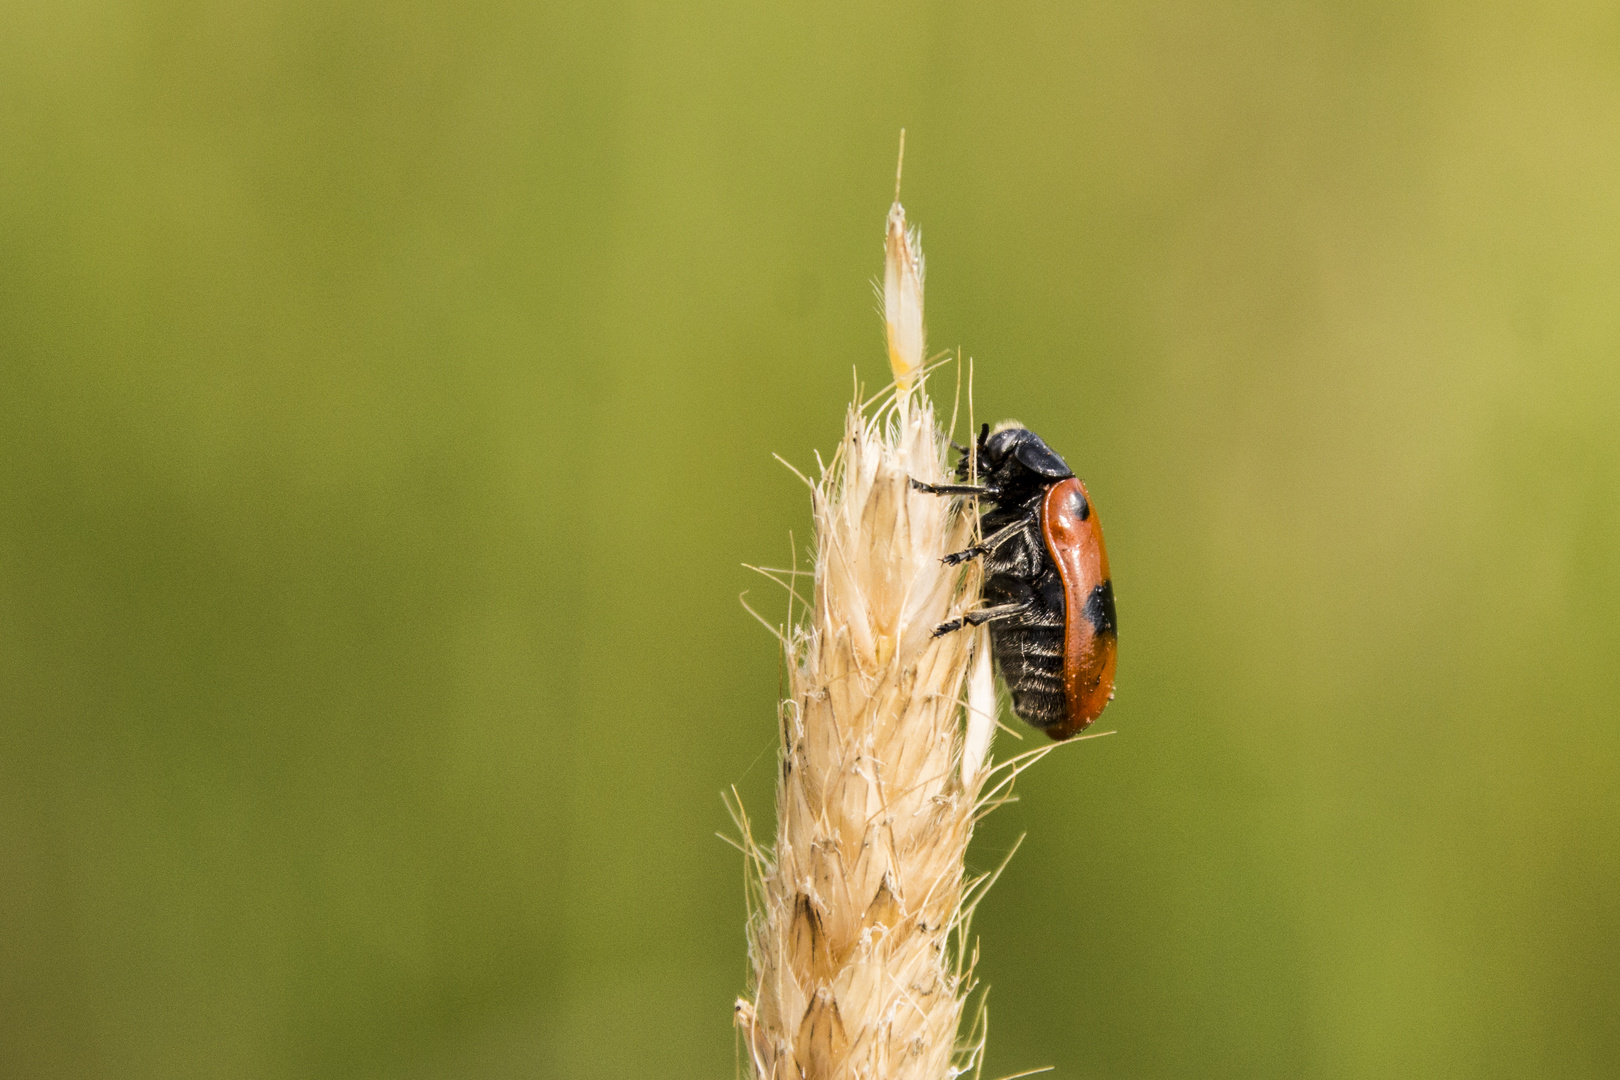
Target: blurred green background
x=387, y=401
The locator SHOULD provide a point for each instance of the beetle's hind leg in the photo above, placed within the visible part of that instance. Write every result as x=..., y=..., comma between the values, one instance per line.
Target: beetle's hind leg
x=982, y=616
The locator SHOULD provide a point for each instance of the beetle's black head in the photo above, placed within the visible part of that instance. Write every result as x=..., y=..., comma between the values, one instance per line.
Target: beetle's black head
x=1015, y=461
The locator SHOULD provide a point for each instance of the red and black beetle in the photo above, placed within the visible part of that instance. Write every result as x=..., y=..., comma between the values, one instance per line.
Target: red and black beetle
x=1050, y=601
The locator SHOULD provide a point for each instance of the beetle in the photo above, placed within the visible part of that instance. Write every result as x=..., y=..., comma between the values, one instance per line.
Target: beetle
x=1049, y=596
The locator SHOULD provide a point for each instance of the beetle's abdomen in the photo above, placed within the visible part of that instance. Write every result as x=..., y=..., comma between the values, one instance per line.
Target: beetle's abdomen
x=1029, y=647
x=1031, y=662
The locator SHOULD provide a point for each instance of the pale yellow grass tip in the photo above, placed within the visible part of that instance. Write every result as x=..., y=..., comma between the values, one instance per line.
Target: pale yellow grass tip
x=903, y=290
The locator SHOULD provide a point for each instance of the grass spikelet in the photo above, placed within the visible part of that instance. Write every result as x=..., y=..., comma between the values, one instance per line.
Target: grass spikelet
x=858, y=925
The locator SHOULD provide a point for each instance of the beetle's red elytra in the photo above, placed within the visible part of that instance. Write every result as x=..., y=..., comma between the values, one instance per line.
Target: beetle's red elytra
x=1074, y=541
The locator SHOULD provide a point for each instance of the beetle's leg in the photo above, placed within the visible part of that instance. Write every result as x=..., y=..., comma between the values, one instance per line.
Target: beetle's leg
x=983, y=615
x=954, y=489
x=985, y=546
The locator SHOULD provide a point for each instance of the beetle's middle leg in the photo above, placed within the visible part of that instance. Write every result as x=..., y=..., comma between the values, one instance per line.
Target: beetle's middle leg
x=985, y=546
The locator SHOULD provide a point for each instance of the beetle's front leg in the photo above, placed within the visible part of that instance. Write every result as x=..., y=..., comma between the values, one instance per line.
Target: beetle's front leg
x=955, y=489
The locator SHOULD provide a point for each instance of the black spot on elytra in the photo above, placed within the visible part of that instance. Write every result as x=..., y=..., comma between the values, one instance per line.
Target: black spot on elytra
x=1100, y=609
x=1084, y=510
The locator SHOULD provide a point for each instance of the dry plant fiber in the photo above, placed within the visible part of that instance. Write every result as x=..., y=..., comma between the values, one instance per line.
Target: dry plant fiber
x=860, y=908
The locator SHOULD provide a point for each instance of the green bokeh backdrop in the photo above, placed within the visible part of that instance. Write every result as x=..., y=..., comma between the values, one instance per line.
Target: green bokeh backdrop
x=387, y=401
